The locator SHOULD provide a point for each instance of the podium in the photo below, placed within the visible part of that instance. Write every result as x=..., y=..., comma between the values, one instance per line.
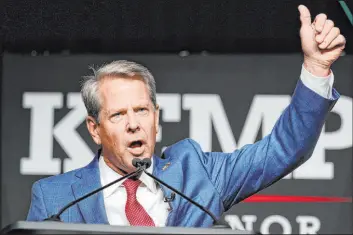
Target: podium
x=48, y=227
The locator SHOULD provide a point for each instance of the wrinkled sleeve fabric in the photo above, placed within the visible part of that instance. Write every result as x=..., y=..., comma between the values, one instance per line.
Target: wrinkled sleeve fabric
x=247, y=170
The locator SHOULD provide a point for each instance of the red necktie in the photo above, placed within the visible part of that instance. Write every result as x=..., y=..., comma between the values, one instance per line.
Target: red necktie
x=135, y=213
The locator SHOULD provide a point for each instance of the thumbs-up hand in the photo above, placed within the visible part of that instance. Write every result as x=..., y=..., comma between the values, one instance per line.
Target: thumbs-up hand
x=321, y=42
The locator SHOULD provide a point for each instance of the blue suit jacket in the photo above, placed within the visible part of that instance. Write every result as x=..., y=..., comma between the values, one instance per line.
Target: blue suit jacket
x=215, y=180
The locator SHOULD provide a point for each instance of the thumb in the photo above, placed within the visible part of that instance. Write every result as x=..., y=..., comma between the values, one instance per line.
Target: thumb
x=305, y=16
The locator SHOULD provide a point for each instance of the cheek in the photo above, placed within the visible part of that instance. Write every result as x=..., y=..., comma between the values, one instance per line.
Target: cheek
x=114, y=136
x=152, y=133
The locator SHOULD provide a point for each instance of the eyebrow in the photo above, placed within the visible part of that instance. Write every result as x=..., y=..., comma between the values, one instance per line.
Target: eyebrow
x=116, y=110
x=111, y=112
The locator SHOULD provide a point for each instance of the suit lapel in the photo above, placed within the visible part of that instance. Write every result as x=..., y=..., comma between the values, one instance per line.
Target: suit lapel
x=166, y=170
x=92, y=208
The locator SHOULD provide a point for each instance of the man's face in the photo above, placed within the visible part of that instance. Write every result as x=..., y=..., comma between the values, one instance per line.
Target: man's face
x=128, y=122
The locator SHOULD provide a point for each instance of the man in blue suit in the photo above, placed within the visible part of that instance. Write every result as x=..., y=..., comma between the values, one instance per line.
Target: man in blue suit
x=123, y=115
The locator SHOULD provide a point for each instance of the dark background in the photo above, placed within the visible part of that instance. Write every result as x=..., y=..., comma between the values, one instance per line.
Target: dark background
x=247, y=26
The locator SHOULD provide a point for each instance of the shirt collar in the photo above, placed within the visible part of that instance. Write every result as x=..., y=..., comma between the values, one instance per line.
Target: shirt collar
x=108, y=175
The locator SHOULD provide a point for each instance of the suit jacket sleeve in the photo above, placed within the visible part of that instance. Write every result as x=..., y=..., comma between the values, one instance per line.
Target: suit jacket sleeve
x=240, y=174
x=37, y=210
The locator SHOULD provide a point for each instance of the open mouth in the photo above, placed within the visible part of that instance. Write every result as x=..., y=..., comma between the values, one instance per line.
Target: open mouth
x=136, y=147
x=135, y=144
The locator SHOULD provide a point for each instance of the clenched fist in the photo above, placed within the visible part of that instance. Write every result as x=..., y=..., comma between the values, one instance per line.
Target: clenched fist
x=322, y=43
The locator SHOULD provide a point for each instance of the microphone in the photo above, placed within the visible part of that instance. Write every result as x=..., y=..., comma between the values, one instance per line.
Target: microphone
x=146, y=162
x=138, y=163
x=170, y=199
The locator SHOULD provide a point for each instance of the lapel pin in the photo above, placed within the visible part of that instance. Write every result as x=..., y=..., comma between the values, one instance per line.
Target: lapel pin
x=166, y=166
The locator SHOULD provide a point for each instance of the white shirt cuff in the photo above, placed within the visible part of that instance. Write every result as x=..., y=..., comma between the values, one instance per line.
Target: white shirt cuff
x=321, y=85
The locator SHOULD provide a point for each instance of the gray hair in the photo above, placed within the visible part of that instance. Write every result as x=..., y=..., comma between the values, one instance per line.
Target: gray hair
x=90, y=84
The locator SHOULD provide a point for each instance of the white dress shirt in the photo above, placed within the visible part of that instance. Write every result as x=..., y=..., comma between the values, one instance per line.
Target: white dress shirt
x=150, y=195
x=320, y=85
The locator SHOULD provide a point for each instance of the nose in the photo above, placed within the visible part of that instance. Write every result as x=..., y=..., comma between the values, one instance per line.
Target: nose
x=133, y=124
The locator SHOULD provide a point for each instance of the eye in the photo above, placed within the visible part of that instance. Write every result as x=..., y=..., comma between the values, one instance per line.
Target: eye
x=142, y=111
x=116, y=116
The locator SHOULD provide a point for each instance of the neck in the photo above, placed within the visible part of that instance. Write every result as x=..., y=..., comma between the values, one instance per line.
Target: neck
x=114, y=168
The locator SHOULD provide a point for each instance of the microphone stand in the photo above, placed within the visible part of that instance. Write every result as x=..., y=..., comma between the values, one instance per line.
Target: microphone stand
x=216, y=223
x=141, y=165
x=56, y=217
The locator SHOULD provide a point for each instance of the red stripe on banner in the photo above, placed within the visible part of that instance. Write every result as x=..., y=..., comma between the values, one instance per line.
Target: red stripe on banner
x=279, y=198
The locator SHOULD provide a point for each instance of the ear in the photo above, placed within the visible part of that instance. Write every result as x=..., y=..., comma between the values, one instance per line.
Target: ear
x=156, y=120
x=93, y=129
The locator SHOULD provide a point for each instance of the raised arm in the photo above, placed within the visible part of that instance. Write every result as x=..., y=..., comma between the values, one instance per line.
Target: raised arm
x=244, y=172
